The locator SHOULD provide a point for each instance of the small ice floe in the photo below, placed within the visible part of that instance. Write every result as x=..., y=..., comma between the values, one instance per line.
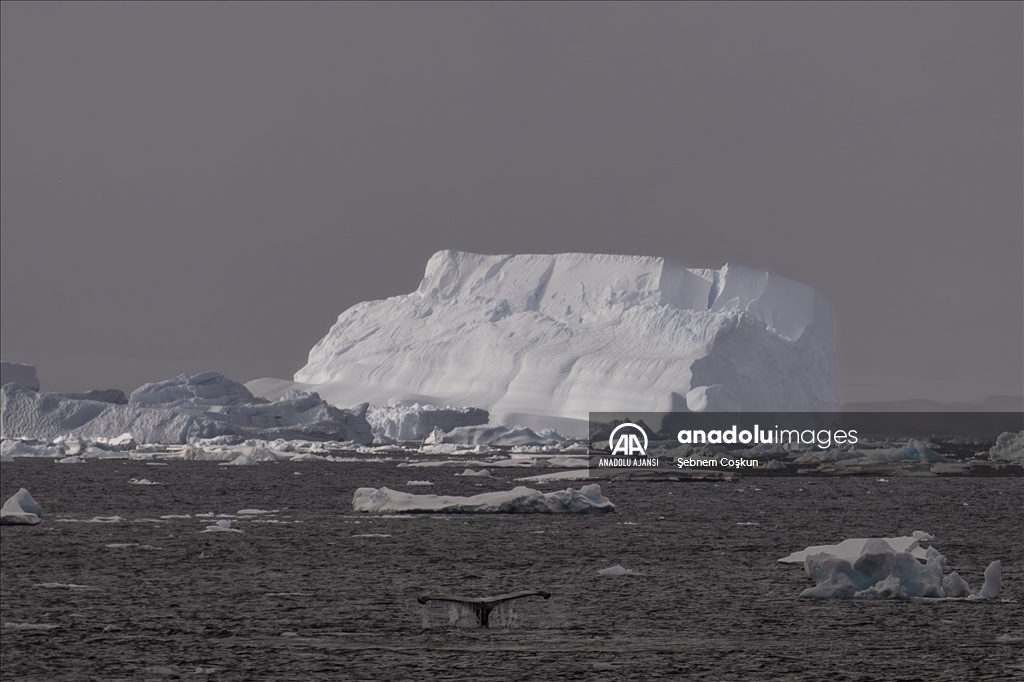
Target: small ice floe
x=615, y=571
x=169, y=670
x=483, y=473
x=73, y=459
x=922, y=536
x=601, y=665
x=157, y=464
x=125, y=545
x=520, y=500
x=21, y=509
x=222, y=526
x=112, y=628
x=206, y=670
x=143, y=481
x=63, y=586
x=254, y=512
x=372, y=535
x=169, y=517
x=418, y=483
x=23, y=627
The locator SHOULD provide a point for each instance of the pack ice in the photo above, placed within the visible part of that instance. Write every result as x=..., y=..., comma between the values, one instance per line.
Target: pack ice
x=887, y=568
x=541, y=340
x=179, y=410
x=519, y=500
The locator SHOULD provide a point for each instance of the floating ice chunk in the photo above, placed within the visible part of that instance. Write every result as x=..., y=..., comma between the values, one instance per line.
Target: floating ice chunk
x=922, y=536
x=17, y=448
x=881, y=571
x=71, y=460
x=483, y=473
x=143, y=481
x=1009, y=447
x=993, y=581
x=615, y=571
x=254, y=512
x=22, y=627
x=955, y=586
x=519, y=500
x=21, y=509
x=419, y=483
x=571, y=475
x=222, y=526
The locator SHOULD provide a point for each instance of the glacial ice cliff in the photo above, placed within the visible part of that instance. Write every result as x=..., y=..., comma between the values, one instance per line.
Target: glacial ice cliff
x=542, y=340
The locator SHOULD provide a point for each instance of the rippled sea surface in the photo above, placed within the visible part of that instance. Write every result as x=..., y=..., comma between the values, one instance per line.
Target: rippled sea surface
x=315, y=592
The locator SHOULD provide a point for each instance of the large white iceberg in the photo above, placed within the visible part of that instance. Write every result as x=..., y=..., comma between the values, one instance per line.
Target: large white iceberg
x=886, y=568
x=179, y=411
x=541, y=340
x=519, y=500
x=21, y=509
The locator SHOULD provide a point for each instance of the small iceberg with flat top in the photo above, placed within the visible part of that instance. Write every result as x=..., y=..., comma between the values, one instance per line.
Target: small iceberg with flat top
x=519, y=500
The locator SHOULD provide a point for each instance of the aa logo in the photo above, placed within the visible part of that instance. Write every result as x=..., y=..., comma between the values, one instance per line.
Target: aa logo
x=628, y=439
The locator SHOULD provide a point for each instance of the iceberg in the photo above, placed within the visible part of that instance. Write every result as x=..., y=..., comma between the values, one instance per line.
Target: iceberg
x=886, y=568
x=519, y=500
x=21, y=509
x=542, y=340
x=1009, y=447
x=178, y=412
x=416, y=422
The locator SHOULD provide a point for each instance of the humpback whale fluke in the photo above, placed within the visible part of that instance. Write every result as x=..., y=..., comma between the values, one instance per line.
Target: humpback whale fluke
x=482, y=606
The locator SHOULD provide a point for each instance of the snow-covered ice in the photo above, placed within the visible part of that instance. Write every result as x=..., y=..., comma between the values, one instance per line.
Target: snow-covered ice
x=21, y=509
x=222, y=526
x=541, y=340
x=886, y=568
x=177, y=412
x=519, y=500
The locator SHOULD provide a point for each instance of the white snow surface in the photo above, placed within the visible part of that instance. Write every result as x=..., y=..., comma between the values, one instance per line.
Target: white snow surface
x=213, y=411
x=21, y=509
x=541, y=340
x=18, y=373
x=519, y=500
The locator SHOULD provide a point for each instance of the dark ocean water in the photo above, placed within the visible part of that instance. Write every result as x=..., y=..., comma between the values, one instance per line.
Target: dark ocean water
x=312, y=600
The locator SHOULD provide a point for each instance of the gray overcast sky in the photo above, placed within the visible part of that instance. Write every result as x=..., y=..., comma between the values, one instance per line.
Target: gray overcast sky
x=195, y=186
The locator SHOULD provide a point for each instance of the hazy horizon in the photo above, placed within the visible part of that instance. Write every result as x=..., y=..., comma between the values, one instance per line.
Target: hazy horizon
x=207, y=187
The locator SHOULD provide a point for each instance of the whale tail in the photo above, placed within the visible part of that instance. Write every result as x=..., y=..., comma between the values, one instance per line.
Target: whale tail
x=482, y=606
